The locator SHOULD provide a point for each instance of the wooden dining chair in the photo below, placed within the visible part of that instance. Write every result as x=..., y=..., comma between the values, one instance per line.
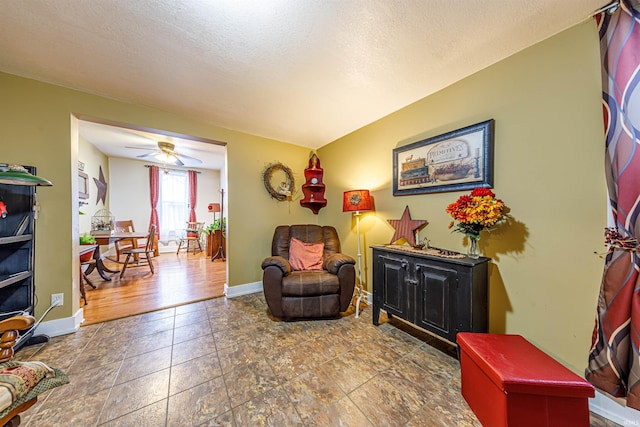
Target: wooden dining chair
x=142, y=256
x=192, y=237
x=125, y=226
x=86, y=259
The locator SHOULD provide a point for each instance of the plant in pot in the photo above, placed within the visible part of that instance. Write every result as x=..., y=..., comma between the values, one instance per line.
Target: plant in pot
x=218, y=224
x=87, y=239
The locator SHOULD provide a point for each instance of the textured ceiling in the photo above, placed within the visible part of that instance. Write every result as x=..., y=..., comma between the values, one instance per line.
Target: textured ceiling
x=301, y=71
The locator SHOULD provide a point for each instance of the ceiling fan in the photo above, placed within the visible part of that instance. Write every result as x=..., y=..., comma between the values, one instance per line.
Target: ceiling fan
x=166, y=153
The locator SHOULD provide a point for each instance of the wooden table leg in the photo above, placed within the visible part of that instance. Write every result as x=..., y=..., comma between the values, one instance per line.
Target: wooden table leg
x=83, y=292
x=83, y=275
x=99, y=265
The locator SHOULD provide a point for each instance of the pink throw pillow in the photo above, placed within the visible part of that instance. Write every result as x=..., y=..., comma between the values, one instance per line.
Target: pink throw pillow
x=305, y=256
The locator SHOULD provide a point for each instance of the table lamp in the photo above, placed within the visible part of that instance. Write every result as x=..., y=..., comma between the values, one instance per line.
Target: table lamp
x=214, y=207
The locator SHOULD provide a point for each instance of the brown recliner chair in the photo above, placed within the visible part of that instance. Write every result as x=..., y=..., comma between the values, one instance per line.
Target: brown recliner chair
x=305, y=294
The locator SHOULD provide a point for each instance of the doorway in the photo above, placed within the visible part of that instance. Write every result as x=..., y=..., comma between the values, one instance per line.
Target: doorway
x=118, y=156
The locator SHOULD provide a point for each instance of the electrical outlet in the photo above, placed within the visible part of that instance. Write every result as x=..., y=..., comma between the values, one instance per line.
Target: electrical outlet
x=57, y=299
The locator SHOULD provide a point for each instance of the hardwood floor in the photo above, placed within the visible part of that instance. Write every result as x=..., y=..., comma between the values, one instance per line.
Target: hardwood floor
x=178, y=279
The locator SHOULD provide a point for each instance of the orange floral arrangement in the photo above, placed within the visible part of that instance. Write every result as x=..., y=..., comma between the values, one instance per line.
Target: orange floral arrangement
x=475, y=212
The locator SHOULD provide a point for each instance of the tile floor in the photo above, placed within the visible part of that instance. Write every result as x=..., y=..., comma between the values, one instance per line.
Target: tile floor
x=226, y=363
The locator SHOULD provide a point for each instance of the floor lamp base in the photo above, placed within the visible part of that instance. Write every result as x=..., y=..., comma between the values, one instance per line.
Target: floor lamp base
x=358, y=305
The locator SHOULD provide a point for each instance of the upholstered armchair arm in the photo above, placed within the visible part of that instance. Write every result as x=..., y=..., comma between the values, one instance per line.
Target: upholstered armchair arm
x=277, y=261
x=333, y=263
x=275, y=268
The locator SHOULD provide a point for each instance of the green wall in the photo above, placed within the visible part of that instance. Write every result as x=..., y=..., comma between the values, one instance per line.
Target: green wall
x=544, y=277
x=549, y=157
x=38, y=126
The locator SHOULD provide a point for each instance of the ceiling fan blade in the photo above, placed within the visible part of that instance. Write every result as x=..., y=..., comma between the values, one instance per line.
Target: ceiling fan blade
x=142, y=148
x=144, y=156
x=184, y=156
x=178, y=162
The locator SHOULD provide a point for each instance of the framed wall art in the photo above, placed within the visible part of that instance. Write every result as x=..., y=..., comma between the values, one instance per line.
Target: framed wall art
x=83, y=185
x=454, y=161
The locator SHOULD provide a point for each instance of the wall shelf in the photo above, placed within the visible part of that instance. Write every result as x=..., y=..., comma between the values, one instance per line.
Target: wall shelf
x=6, y=280
x=15, y=239
x=313, y=188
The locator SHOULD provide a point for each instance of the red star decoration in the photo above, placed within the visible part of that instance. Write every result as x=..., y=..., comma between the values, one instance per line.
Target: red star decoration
x=405, y=227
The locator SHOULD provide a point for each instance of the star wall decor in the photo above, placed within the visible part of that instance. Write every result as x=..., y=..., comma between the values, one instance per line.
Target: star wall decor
x=405, y=227
x=102, y=188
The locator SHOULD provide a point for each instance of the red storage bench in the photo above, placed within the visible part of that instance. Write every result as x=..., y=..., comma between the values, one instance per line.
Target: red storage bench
x=508, y=381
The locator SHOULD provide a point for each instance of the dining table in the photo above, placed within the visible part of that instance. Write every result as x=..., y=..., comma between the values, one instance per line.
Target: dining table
x=105, y=240
x=119, y=235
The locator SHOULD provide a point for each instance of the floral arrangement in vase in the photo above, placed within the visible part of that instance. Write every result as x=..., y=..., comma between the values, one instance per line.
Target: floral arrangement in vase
x=475, y=212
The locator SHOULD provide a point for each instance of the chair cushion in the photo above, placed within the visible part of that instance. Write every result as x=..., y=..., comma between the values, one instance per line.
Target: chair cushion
x=305, y=256
x=22, y=381
x=310, y=283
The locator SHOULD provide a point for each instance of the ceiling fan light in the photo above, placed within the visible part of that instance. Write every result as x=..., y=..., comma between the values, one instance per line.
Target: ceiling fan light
x=166, y=158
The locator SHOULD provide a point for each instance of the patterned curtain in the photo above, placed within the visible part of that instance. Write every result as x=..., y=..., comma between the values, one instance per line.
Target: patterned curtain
x=154, y=190
x=193, y=191
x=614, y=359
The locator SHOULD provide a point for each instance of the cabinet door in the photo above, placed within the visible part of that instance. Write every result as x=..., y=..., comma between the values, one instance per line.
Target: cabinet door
x=394, y=298
x=435, y=305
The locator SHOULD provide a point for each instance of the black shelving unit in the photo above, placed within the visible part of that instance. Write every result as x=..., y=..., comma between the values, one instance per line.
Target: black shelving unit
x=17, y=240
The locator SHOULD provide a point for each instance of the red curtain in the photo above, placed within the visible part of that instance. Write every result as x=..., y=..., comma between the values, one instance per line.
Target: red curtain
x=154, y=190
x=614, y=359
x=193, y=191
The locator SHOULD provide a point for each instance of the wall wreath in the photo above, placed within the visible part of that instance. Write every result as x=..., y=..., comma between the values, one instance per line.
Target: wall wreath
x=276, y=187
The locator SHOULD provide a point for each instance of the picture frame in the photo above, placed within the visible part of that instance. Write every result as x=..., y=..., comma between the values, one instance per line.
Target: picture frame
x=83, y=185
x=454, y=161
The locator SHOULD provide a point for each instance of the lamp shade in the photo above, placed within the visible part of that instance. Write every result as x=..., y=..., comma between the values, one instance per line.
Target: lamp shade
x=17, y=175
x=213, y=207
x=357, y=200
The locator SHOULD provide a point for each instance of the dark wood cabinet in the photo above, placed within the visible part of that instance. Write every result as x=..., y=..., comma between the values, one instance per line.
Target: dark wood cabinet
x=313, y=188
x=17, y=231
x=441, y=295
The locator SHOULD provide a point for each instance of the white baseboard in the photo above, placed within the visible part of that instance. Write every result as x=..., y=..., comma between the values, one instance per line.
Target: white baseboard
x=613, y=409
x=248, y=288
x=66, y=325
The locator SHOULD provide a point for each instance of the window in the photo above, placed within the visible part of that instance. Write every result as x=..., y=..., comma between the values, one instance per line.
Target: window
x=173, y=203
